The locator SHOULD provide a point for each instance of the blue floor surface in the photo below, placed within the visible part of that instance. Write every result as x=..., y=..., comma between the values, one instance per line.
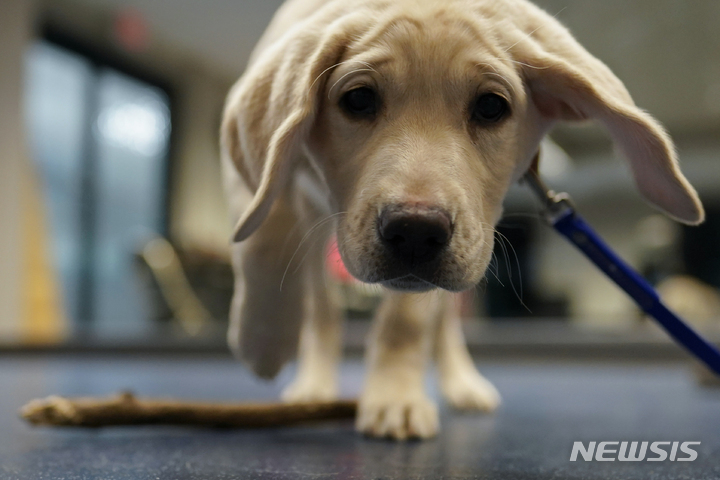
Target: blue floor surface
x=547, y=406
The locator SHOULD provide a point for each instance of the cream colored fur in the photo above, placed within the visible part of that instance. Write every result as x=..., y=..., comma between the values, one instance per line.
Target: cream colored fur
x=297, y=168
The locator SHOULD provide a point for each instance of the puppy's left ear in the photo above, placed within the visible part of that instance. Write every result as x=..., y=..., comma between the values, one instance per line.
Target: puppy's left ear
x=269, y=112
x=568, y=83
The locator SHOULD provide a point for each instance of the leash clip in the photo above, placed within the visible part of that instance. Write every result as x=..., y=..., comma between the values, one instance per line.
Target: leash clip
x=555, y=205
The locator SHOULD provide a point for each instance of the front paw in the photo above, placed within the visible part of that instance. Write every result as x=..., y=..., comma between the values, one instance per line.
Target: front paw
x=398, y=416
x=470, y=391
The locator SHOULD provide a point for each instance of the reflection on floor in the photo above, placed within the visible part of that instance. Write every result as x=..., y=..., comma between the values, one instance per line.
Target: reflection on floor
x=547, y=406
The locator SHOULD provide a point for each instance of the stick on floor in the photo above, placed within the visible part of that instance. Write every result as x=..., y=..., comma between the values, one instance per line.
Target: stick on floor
x=126, y=409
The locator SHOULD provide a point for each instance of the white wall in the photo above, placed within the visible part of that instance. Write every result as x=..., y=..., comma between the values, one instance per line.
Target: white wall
x=199, y=210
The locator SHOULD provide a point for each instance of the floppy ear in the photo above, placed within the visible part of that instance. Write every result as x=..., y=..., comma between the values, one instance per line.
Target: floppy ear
x=567, y=83
x=270, y=110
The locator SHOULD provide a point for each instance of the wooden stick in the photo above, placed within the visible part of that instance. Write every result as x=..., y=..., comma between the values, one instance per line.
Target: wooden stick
x=126, y=409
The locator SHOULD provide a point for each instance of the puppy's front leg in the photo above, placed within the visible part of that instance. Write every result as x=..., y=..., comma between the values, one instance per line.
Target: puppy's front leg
x=394, y=403
x=320, y=340
x=267, y=306
x=462, y=385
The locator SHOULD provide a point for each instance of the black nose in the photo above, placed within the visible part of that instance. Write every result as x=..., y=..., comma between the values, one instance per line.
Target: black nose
x=414, y=234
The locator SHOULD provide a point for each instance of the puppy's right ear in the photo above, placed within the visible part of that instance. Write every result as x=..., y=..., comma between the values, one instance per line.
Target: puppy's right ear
x=270, y=111
x=567, y=83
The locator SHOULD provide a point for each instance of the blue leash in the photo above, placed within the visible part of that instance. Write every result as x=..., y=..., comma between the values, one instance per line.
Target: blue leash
x=561, y=214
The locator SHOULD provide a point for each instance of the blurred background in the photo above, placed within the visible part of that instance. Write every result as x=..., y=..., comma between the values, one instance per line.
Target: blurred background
x=113, y=225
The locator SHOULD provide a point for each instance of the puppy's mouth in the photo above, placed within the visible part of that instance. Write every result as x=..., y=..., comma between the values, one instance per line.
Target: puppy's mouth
x=409, y=283
x=380, y=266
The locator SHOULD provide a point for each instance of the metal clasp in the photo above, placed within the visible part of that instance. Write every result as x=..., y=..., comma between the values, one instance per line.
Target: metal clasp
x=555, y=205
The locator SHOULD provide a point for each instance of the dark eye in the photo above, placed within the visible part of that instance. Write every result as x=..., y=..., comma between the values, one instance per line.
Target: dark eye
x=361, y=101
x=489, y=108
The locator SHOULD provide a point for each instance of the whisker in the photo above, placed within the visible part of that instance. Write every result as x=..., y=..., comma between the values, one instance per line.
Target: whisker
x=398, y=278
x=530, y=66
x=528, y=35
x=289, y=237
x=337, y=65
x=307, y=252
x=502, y=240
x=424, y=281
x=367, y=65
x=348, y=73
x=493, y=256
x=307, y=234
x=509, y=269
x=487, y=65
x=501, y=243
x=506, y=81
x=495, y=274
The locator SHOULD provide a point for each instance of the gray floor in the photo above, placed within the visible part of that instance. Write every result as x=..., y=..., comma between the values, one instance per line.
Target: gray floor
x=546, y=407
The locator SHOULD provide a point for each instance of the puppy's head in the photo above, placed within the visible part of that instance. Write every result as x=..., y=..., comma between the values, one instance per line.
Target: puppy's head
x=419, y=122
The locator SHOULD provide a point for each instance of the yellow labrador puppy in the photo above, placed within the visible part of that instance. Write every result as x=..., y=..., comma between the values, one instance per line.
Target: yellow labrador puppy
x=402, y=123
